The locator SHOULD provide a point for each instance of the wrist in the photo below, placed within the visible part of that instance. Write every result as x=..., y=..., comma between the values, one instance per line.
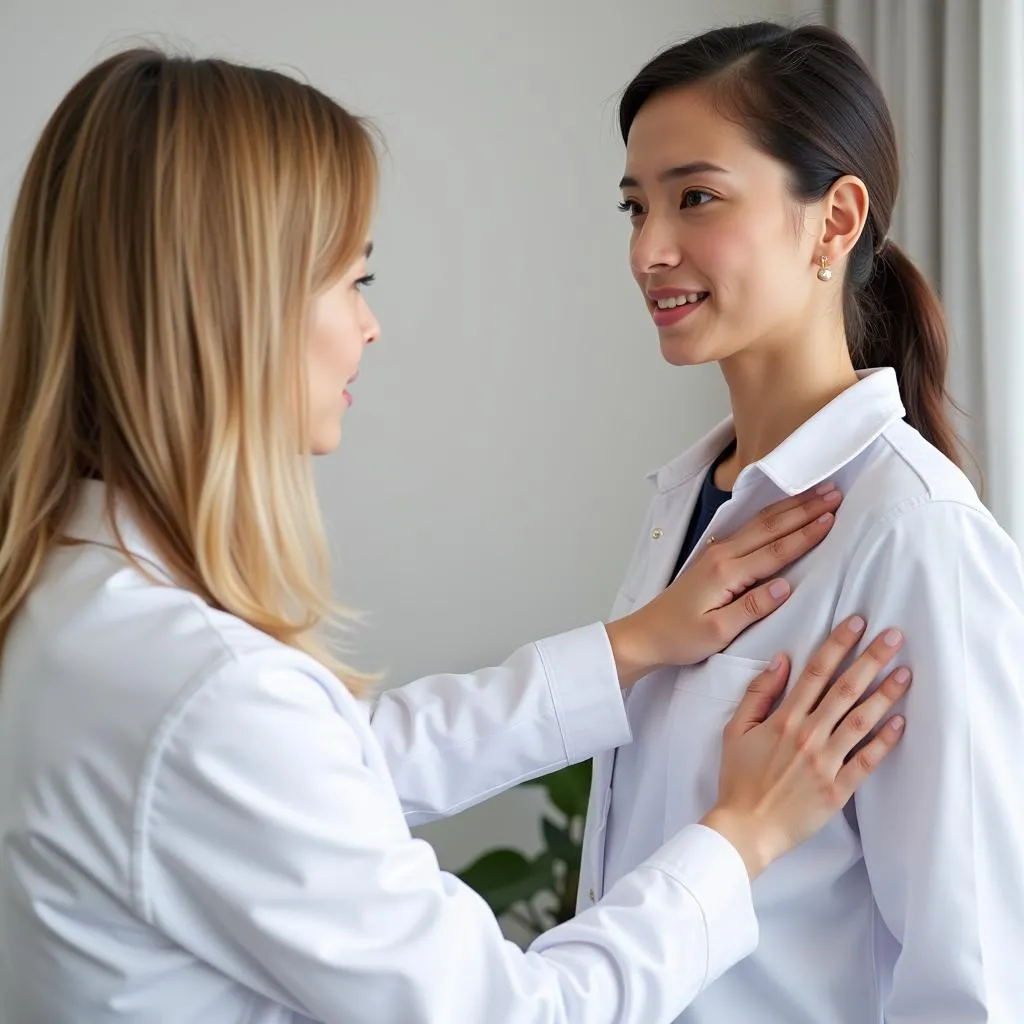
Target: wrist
x=630, y=650
x=746, y=834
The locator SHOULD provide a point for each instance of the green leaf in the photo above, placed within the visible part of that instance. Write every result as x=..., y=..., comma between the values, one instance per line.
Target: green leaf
x=568, y=789
x=495, y=868
x=560, y=843
x=505, y=877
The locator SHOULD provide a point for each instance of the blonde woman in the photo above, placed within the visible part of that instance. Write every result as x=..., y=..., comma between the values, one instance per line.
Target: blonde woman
x=199, y=819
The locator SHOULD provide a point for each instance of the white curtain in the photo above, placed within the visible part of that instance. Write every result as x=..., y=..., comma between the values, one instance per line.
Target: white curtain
x=953, y=73
x=1001, y=227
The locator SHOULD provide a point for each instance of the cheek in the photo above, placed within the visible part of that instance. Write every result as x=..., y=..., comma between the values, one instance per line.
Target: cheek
x=335, y=345
x=322, y=387
x=723, y=253
x=722, y=257
x=328, y=372
x=637, y=275
x=750, y=264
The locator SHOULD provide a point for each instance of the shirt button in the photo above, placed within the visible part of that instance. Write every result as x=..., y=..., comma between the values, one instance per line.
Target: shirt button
x=657, y=533
x=593, y=898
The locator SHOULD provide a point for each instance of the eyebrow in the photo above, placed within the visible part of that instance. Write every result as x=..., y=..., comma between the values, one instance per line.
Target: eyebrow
x=682, y=171
x=368, y=251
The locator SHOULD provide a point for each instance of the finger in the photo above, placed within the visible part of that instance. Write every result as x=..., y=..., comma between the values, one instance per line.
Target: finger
x=861, y=720
x=774, y=556
x=822, y=666
x=761, y=694
x=866, y=760
x=780, y=519
x=854, y=682
x=731, y=619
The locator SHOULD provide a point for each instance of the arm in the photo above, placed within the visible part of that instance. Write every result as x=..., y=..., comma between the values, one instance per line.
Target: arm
x=272, y=849
x=452, y=741
x=942, y=821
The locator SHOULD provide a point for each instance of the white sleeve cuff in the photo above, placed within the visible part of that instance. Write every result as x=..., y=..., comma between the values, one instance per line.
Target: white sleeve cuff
x=711, y=869
x=585, y=691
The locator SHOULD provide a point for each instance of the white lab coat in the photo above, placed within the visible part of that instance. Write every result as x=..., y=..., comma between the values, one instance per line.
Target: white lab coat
x=910, y=907
x=198, y=824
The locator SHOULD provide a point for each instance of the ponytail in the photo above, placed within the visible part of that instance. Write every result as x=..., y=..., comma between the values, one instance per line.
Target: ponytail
x=897, y=321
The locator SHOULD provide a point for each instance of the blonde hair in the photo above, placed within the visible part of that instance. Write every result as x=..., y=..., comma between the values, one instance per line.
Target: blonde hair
x=175, y=220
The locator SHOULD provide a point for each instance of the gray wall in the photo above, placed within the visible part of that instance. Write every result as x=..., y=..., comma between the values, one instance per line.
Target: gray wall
x=492, y=475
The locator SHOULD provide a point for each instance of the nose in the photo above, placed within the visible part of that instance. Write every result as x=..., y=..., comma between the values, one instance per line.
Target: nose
x=655, y=247
x=371, y=327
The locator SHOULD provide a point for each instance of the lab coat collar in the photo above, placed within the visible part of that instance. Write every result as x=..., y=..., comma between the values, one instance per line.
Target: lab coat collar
x=91, y=523
x=830, y=439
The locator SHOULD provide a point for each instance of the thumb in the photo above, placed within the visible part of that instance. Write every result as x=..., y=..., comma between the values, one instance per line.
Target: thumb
x=761, y=694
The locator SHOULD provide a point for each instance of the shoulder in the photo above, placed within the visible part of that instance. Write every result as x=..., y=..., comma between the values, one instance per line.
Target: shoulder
x=227, y=678
x=902, y=477
x=937, y=477
x=265, y=719
x=137, y=650
x=260, y=745
x=161, y=698
x=907, y=498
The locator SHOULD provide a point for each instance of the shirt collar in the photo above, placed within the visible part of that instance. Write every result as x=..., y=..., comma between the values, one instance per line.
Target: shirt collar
x=90, y=523
x=820, y=447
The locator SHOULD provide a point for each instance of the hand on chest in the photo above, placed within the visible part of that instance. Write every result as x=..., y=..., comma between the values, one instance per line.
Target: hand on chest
x=684, y=711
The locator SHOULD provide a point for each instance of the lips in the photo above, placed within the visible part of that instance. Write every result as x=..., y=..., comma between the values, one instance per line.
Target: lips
x=673, y=309
x=671, y=304
x=345, y=393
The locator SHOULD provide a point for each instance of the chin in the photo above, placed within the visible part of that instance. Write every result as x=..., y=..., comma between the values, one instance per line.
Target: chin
x=686, y=352
x=326, y=441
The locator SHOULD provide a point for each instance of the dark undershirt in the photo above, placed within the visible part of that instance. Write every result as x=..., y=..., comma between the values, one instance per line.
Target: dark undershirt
x=709, y=501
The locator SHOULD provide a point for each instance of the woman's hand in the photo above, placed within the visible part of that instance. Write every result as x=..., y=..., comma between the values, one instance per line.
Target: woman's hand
x=717, y=597
x=783, y=776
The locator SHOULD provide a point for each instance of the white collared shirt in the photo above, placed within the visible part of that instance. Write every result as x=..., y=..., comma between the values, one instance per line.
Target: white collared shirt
x=909, y=907
x=199, y=825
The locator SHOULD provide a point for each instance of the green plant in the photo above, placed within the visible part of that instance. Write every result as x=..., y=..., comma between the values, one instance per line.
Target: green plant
x=540, y=892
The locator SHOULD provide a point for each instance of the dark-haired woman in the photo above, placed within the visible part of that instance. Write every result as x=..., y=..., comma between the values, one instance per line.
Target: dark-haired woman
x=760, y=176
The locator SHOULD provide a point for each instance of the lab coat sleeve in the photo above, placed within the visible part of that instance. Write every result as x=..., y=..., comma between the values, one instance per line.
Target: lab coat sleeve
x=271, y=848
x=452, y=741
x=942, y=819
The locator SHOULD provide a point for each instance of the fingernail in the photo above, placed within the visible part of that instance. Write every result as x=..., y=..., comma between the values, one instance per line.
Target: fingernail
x=893, y=638
x=776, y=663
x=826, y=518
x=856, y=624
x=898, y=722
x=901, y=676
x=779, y=589
x=825, y=488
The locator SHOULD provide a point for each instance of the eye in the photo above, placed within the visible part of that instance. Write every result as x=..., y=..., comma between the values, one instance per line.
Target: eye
x=365, y=282
x=631, y=207
x=695, y=197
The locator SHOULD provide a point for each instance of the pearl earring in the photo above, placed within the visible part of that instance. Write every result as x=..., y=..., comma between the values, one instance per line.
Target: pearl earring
x=824, y=271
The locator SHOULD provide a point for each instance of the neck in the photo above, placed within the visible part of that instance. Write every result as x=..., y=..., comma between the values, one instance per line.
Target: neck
x=774, y=391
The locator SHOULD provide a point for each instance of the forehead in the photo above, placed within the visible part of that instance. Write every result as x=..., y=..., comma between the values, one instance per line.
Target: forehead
x=682, y=126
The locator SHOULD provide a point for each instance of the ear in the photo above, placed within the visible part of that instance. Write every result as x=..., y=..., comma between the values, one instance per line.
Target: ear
x=845, y=208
